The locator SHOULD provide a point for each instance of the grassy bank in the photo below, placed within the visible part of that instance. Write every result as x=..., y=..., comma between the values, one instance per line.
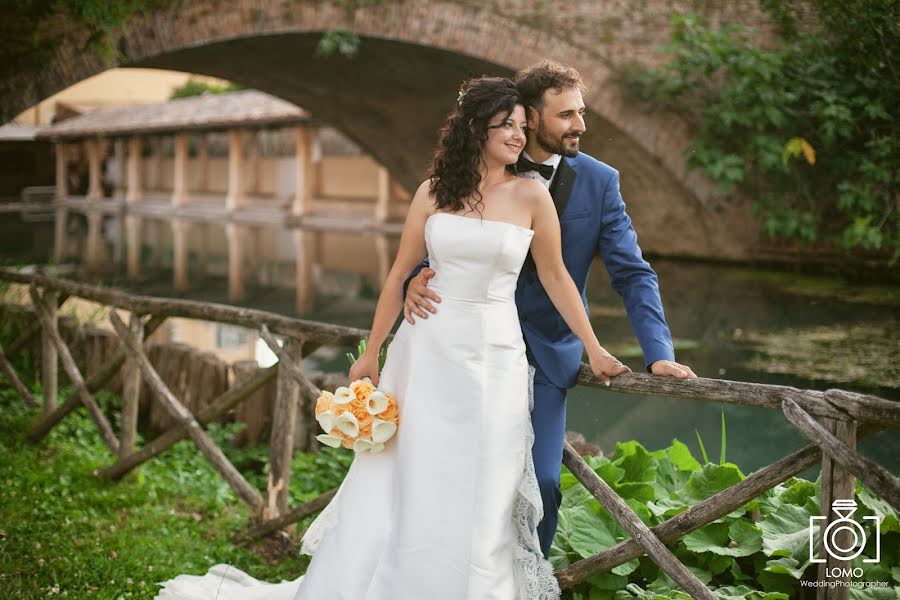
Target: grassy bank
x=66, y=533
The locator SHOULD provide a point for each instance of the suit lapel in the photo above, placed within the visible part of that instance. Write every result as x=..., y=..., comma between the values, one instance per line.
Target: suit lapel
x=562, y=185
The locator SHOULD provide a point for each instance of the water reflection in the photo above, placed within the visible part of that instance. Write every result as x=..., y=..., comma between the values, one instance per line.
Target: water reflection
x=335, y=276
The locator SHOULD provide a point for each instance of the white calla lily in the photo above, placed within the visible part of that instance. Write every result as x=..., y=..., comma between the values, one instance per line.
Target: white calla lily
x=376, y=448
x=377, y=403
x=347, y=424
x=326, y=420
x=362, y=445
x=343, y=395
x=382, y=430
x=330, y=440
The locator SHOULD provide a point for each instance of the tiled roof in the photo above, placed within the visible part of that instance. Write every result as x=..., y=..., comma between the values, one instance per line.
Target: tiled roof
x=198, y=113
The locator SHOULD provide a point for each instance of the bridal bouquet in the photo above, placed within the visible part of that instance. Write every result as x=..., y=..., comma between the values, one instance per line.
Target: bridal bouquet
x=359, y=417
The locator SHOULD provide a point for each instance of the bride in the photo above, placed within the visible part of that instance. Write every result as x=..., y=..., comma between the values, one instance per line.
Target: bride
x=449, y=510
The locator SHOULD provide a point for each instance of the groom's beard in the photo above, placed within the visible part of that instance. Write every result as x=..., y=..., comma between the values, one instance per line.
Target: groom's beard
x=561, y=145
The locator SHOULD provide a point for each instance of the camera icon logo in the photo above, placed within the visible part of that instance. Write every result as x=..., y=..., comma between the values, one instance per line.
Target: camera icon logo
x=836, y=545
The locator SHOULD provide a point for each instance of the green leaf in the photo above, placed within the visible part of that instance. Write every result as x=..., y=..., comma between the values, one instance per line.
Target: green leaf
x=681, y=457
x=740, y=538
x=712, y=479
x=786, y=532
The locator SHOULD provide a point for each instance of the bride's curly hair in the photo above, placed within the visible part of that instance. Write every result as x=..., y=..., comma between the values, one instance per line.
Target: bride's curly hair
x=455, y=167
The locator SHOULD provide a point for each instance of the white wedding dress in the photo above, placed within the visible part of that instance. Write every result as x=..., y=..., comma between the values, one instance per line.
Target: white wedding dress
x=449, y=510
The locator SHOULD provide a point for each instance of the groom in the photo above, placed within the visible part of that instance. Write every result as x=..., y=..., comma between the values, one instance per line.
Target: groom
x=593, y=222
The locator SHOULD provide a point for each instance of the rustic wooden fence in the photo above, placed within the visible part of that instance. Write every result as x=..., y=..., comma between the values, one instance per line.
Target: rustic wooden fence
x=846, y=418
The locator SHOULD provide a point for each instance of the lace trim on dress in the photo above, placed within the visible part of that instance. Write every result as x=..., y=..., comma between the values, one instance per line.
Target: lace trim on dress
x=534, y=574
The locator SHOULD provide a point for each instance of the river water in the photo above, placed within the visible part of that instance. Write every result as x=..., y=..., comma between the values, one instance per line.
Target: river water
x=712, y=311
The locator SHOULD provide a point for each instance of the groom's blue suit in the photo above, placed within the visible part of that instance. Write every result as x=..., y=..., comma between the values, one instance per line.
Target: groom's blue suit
x=593, y=222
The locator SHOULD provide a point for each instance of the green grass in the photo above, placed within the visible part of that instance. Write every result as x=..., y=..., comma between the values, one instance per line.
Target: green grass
x=66, y=533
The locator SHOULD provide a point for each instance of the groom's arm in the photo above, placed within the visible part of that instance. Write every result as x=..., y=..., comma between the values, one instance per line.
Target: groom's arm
x=423, y=265
x=632, y=277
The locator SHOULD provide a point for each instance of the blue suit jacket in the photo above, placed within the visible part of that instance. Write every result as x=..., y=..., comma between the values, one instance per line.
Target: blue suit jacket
x=593, y=221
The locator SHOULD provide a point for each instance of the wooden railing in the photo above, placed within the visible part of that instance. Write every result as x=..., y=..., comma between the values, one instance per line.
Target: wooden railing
x=848, y=417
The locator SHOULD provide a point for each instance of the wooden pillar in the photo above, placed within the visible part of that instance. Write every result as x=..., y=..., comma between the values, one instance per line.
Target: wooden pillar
x=95, y=149
x=62, y=213
x=180, y=230
x=382, y=254
x=131, y=391
x=382, y=201
x=304, y=259
x=203, y=163
x=179, y=172
x=49, y=355
x=253, y=163
x=135, y=171
x=236, y=195
x=303, y=169
x=837, y=484
x=133, y=227
x=281, y=446
x=156, y=161
x=121, y=168
x=235, y=234
x=94, y=255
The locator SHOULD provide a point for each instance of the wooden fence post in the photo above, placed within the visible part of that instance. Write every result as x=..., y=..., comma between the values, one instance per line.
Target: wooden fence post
x=49, y=355
x=837, y=484
x=284, y=420
x=131, y=391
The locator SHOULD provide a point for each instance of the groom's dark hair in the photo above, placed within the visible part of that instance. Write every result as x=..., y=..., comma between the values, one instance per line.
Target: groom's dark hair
x=533, y=81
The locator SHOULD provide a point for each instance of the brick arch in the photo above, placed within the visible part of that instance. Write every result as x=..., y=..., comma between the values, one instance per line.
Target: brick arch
x=392, y=97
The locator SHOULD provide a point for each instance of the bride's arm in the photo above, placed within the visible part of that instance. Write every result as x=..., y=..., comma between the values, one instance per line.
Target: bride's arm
x=546, y=249
x=409, y=254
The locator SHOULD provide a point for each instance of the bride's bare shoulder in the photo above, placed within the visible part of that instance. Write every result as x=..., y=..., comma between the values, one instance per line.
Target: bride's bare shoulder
x=532, y=191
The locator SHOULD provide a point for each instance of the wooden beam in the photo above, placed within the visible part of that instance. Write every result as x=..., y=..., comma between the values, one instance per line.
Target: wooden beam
x=869, y=472
x=209, y=449
x=639, y=532
x=72, y=371
x=312, y=331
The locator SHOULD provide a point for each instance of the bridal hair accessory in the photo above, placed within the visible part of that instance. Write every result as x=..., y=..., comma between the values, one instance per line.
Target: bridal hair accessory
x=459, y=97
x=359, y=417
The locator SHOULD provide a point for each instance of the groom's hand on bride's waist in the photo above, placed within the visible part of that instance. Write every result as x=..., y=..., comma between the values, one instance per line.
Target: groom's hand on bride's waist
x=419, y=298
x=670, y=368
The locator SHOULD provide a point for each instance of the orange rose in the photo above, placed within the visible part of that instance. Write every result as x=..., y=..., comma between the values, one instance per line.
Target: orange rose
x=365, y=429
x=361, y=389
x=391, y=413
x=337, y=409
x=324, y=402
x=347, y=443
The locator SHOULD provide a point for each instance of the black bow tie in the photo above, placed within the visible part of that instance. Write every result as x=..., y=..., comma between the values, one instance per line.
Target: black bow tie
x=524, y=165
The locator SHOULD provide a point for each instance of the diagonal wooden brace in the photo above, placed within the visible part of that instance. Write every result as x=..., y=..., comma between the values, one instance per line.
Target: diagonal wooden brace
x=94, y=383
x=639, y=532
x=871, y=473
x=207, y=414
x=72, y=371
x=13, y=378
x=292, y=516
x=242, y=488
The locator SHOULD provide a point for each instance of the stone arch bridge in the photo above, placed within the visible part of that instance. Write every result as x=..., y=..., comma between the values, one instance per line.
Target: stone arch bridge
x=393, y=95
